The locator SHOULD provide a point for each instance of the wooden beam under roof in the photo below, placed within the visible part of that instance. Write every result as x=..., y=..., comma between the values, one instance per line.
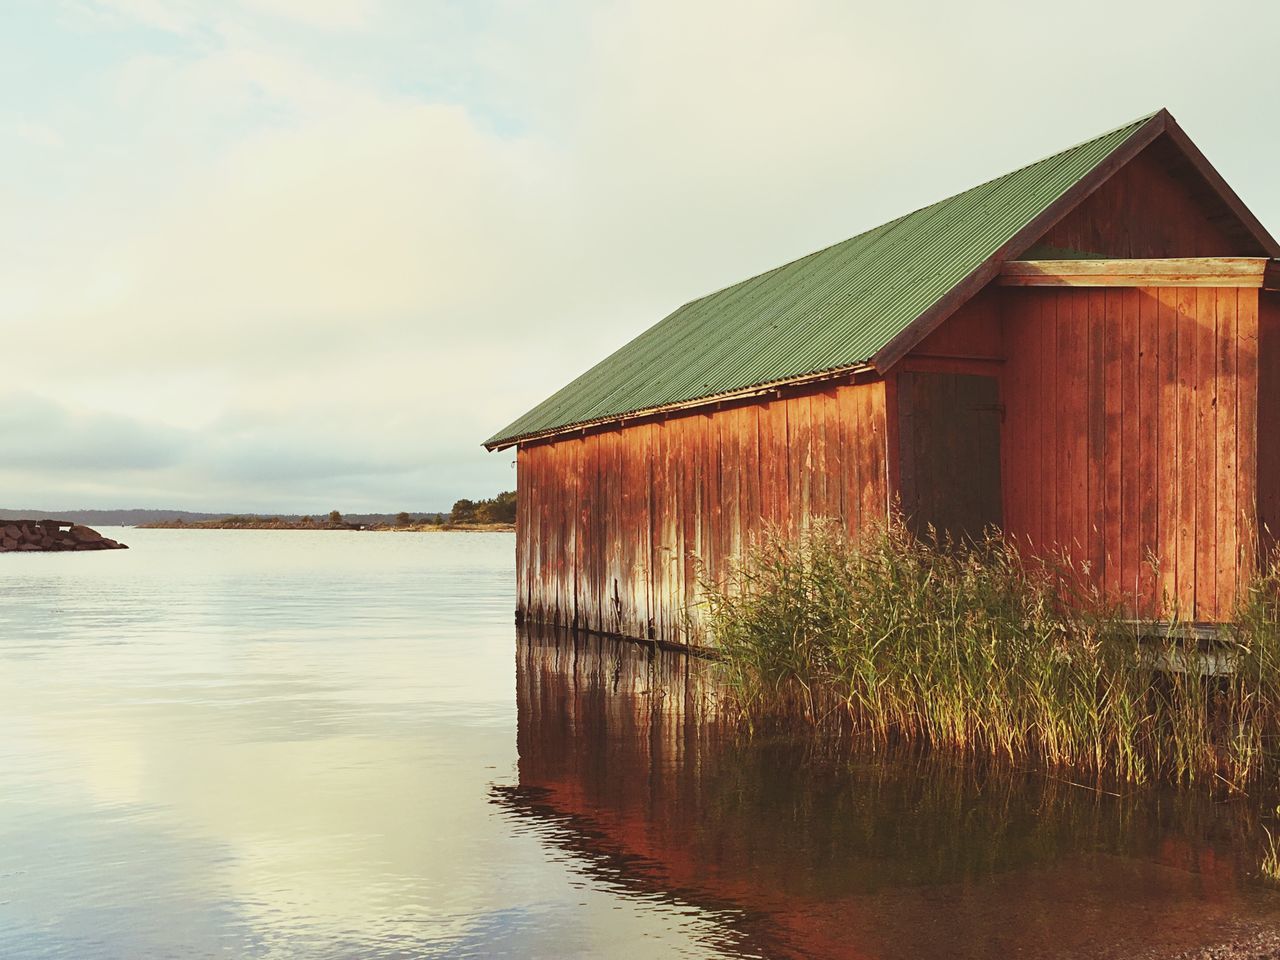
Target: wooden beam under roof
x=1271, y=276
x=1256, y=272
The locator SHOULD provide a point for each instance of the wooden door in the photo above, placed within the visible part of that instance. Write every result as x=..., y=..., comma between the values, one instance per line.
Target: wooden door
x=949, y=453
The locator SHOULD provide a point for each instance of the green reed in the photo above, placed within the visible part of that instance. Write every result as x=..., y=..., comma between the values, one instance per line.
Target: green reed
x=894, y=639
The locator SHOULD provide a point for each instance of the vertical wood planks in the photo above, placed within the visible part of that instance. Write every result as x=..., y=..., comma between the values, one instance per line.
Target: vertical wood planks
x=1206, y=452
x=1097, y=431
x=577, y=543
x=1148, y=417
x=1267, y=446
x=1143, y=442
x=773, y=461
x=799, y=460
x=872, y=455
x=1167, y=444
x=1130, y=418
x=1049, y=538
x=1073, y=368
x=687, y=456
x=728, y=543
x=709, y=555
x=820, y=470
x=1144, y=210
x=908, y=474
x=1112, y=555
x=1016, y=442
x=1226, y=512
x=659, y=531
x=1248, y=399
x=752, y=499
x=612, y=526
x=1035, y=422
x=892, y=444
x=618, y=541
x=1186, y=475
x=523, y=536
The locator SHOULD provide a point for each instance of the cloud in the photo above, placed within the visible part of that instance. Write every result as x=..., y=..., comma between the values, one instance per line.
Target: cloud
x=187, y=16
x=36, y=134
x=36, y=432
x=318, y=233
x=324, y=14
x=176, y=16
x=53, y=455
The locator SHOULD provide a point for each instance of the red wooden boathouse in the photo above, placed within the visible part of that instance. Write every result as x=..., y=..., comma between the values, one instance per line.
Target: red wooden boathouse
x=1084, y=352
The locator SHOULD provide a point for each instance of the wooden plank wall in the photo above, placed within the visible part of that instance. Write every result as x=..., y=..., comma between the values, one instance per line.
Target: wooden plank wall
x=614, y=527
x=1154, y=206
x=1269, y=420
x=1131, y=432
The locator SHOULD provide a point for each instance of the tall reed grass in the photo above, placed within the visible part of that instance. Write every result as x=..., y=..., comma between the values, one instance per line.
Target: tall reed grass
x=974, y=649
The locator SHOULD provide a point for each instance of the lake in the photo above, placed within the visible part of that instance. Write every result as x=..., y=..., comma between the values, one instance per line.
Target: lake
x=268, y=744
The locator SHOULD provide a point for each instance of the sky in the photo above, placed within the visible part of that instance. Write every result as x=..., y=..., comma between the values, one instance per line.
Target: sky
x=301, y=255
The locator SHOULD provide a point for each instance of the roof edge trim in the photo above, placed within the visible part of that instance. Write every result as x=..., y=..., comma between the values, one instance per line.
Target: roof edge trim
x=683, y=406
x=1220, y=186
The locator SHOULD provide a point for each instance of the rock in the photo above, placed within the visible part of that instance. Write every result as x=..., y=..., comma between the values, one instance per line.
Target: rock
x=29, y=536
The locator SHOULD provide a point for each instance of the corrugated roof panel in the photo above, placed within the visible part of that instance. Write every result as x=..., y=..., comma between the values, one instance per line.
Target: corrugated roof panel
x=831, y=309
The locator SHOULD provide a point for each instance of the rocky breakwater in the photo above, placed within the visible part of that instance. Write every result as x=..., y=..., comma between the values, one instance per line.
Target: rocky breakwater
x=30, y=536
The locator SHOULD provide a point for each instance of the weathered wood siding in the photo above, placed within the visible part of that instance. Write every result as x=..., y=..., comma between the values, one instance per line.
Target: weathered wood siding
x=613, y=525
x=1131, y=432
x=1269, y=420
x=1157, y=205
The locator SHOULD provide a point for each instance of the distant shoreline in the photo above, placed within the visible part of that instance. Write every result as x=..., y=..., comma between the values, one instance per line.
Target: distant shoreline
x=494, y=513
x=246, y=524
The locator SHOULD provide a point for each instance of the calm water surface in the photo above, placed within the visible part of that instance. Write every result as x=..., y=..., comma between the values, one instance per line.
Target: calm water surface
x=279, y=744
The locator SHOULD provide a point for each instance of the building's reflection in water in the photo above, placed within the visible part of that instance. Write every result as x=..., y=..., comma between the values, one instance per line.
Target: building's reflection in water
x=625, y=768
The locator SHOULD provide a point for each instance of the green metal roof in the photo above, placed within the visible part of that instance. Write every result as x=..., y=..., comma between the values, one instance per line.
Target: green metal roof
x=833, y=309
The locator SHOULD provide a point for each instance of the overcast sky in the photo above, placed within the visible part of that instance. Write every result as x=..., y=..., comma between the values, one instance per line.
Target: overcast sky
x=308, y=254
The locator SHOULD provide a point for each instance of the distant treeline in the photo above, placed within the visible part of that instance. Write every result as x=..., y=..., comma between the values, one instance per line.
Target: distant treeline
x=135, y=518
x=109, y=518
x=500, y=510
